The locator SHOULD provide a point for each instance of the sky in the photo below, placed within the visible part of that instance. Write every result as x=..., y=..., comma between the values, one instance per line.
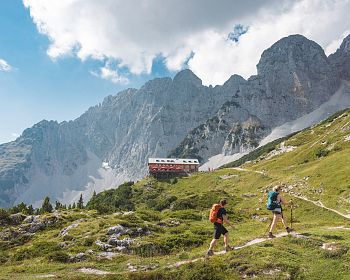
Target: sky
x=59, y=57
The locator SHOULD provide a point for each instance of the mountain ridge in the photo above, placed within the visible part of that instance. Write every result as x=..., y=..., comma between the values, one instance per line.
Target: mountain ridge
x=127, y=128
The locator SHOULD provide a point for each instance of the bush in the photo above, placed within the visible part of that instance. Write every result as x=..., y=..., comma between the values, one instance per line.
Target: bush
x=147, y=215
x=3, y=258
x=4, y=216
x=205, y=271
x=119, y=199
x=183, y=204
x=58, y=256
x=39, y=249
x=88, y=241
x=185, y=215
x=161, y=203
x=321, y=153
x=173, y=181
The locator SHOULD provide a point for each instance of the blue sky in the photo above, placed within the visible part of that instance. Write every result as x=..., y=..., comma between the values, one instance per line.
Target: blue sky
x=41, y=88
x=59, y=57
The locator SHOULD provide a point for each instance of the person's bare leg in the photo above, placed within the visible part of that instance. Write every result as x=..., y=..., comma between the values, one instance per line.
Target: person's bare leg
x=226, y=239
x=284, y=222
x=212, y=244
x=274, y=222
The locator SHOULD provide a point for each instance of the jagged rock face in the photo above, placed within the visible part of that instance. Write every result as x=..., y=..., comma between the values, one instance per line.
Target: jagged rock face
x=341, y=59
x=111, y=142
x=108, y=144
x=231, y=130
x=294, y=78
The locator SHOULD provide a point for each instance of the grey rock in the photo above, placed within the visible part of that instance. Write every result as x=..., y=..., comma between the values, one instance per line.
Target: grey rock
x=31, y=219
x=65, y=231
x=341, y=59
x=78, y=257
x=17, y=218
x=103, y=245
x=120, y=244
x=118, y=230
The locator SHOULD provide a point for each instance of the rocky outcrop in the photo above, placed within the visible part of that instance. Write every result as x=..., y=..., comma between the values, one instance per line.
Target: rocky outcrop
x=341, y=60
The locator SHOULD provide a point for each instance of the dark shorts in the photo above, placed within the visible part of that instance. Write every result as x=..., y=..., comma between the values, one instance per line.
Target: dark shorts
x=218, y=230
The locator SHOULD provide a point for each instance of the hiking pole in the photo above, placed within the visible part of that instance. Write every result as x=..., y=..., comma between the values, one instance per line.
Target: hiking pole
x=291, y=214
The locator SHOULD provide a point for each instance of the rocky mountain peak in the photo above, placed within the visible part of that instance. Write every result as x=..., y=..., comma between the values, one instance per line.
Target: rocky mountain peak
x=186, y=76
x=234, y=80
x=345, y=46
x=341, y=59
x=292, y=52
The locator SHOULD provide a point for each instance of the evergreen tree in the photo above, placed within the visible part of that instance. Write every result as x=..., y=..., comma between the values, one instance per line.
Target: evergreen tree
x=22, y=207
x=46, y=207
x=30, y=210
x=3, y=215
x=80, y=203
x=74, y=206
x=94, y=194
x=69, y=207
x=58, y=205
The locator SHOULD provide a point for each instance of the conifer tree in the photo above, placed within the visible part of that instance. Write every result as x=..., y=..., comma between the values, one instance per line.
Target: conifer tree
x=74, y=206
x=30, y=210
x=46, y=207
x=80, y=204
x=58, y=205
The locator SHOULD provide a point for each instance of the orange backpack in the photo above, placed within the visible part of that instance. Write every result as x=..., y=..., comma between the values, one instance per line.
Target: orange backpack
x=213, y=216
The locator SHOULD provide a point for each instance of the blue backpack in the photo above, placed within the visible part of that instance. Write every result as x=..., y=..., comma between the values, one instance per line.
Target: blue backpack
x=272, y=201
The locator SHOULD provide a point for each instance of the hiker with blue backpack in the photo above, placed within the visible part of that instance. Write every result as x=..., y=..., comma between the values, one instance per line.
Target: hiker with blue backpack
x=275, y=201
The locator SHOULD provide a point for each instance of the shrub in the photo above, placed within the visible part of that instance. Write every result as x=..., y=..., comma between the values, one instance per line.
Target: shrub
x=321, y=153
x=147, y=215
x=88, y=241
x=119, y=199
x=58, y=256
x=185, y=215
x=173, y=181
x=39, y=249
x=4, y=216
x=3, y=257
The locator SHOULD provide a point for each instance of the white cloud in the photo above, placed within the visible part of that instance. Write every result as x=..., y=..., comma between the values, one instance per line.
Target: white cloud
x=134, y=32
x=4, y=66
x=108, y=73
x=215, y=59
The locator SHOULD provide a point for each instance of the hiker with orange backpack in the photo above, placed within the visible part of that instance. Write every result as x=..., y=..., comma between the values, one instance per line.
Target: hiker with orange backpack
x=218, y=216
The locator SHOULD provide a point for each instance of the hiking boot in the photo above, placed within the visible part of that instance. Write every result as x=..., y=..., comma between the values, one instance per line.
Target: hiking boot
x=229, y=248
x=271, y=235
x=288, y=229
x=210, y=253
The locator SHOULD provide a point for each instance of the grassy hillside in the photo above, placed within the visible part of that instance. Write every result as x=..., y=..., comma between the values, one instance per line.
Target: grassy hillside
x=167, y=221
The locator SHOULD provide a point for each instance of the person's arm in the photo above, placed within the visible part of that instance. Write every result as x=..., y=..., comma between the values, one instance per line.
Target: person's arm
x=282, y=200
x=226, y=221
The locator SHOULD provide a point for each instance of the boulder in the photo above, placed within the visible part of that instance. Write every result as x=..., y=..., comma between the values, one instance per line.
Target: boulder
x=17, y=218
x=118, y=230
